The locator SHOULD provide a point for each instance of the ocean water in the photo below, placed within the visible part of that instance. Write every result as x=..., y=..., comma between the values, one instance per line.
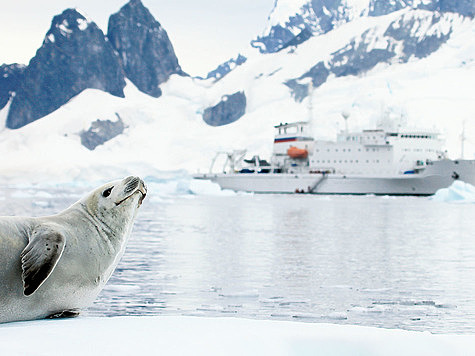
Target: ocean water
x=389, y=262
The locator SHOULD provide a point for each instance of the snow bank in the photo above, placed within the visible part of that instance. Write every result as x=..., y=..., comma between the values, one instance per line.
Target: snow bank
x=459, y=192
x=178, y=335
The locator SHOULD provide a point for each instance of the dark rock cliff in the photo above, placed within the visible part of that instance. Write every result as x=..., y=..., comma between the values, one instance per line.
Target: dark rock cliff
x=11, y=76
x=146, y=53
x=229, y=109
x=75, y=55
x=101, y=131
x=226, y=67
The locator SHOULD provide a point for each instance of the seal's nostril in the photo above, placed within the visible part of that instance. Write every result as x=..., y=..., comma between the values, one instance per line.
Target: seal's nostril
x=128, y=179
x=132, y=185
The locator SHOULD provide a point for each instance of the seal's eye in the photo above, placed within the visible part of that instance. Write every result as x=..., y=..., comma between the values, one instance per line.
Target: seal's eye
x=107, y=192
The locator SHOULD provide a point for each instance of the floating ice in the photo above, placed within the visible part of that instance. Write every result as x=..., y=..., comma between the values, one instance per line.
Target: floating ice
x=206, y=187
x=459, y=192
x=337, y=316
x=180, y=184
x=122, y=288
x=169, y=335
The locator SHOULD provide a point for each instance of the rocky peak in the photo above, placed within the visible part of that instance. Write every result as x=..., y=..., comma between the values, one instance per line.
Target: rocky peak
x=145, y=50
x=10, y=77
x=291, y=22
x=75, y=55
x=226, y=67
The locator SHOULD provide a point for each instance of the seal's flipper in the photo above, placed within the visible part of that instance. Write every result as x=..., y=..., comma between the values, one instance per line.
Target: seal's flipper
x=39, y=257
x=65, y=314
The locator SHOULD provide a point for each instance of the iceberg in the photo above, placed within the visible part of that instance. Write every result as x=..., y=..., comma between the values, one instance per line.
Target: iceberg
x=459, y=192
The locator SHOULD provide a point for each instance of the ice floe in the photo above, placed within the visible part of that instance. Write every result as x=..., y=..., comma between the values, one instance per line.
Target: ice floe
x=459, y=192
x=185, y=335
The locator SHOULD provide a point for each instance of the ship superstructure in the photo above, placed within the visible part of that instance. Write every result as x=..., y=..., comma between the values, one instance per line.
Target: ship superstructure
x=370, y=152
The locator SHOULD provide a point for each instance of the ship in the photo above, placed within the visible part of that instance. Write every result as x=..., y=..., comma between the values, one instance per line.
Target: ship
x=374, y=161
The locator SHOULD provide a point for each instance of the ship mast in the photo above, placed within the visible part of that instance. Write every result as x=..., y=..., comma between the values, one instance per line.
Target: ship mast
x=462, y=140
x=346, y=115
x=310, y=101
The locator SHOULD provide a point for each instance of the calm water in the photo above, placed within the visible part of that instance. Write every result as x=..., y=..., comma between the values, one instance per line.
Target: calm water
x=377, y=261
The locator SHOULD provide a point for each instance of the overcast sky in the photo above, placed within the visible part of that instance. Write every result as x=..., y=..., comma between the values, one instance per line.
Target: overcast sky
x=204, y=33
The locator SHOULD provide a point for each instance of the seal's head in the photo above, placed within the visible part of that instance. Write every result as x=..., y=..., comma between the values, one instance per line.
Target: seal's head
x=116, y=203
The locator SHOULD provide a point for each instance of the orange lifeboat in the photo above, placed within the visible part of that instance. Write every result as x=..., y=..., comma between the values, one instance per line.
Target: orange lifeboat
x=296, y=152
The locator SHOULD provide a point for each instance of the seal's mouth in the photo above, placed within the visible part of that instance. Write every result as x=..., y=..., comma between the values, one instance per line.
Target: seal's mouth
x=143, y=192
x=140, y=188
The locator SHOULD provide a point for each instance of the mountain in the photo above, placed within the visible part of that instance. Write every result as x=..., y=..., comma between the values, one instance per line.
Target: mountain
x=412, y=63
x=76, y=55
x=398, y=42
x=294, y=21
x=226, y=67
x=11, y=76
x=146, y=53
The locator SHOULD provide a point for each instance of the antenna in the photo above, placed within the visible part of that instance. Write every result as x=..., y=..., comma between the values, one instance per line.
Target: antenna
x=310, y=101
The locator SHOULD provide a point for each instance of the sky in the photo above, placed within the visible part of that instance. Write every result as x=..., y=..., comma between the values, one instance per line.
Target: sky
x=204, y=33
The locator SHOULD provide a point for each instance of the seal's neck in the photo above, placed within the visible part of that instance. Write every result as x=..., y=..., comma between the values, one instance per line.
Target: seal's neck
x=110, y=238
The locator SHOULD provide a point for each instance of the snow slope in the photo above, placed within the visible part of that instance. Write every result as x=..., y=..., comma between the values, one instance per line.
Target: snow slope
x=169, y=335
x=168, y=133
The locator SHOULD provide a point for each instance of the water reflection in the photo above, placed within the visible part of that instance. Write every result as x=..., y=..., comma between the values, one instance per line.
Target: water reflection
x=376, y=261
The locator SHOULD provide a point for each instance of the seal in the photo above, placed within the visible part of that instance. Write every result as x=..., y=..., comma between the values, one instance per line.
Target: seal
x=53, y=266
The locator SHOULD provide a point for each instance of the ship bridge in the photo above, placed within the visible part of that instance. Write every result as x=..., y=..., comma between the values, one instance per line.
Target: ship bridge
x=289, y=135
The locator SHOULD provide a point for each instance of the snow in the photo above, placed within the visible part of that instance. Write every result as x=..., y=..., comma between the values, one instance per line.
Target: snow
x=181, y=335
x=64, y=28
x=281, y=11
x=284, y=10
x=458, y=192
x=83, y=14
x=168, y=133
x=82, y=24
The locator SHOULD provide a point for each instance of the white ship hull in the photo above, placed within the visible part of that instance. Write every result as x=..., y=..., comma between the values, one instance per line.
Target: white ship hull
x=439, y=174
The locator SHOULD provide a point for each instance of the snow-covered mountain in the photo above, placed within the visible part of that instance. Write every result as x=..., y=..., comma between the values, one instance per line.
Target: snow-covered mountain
x=294, y=21
x=410, y=59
